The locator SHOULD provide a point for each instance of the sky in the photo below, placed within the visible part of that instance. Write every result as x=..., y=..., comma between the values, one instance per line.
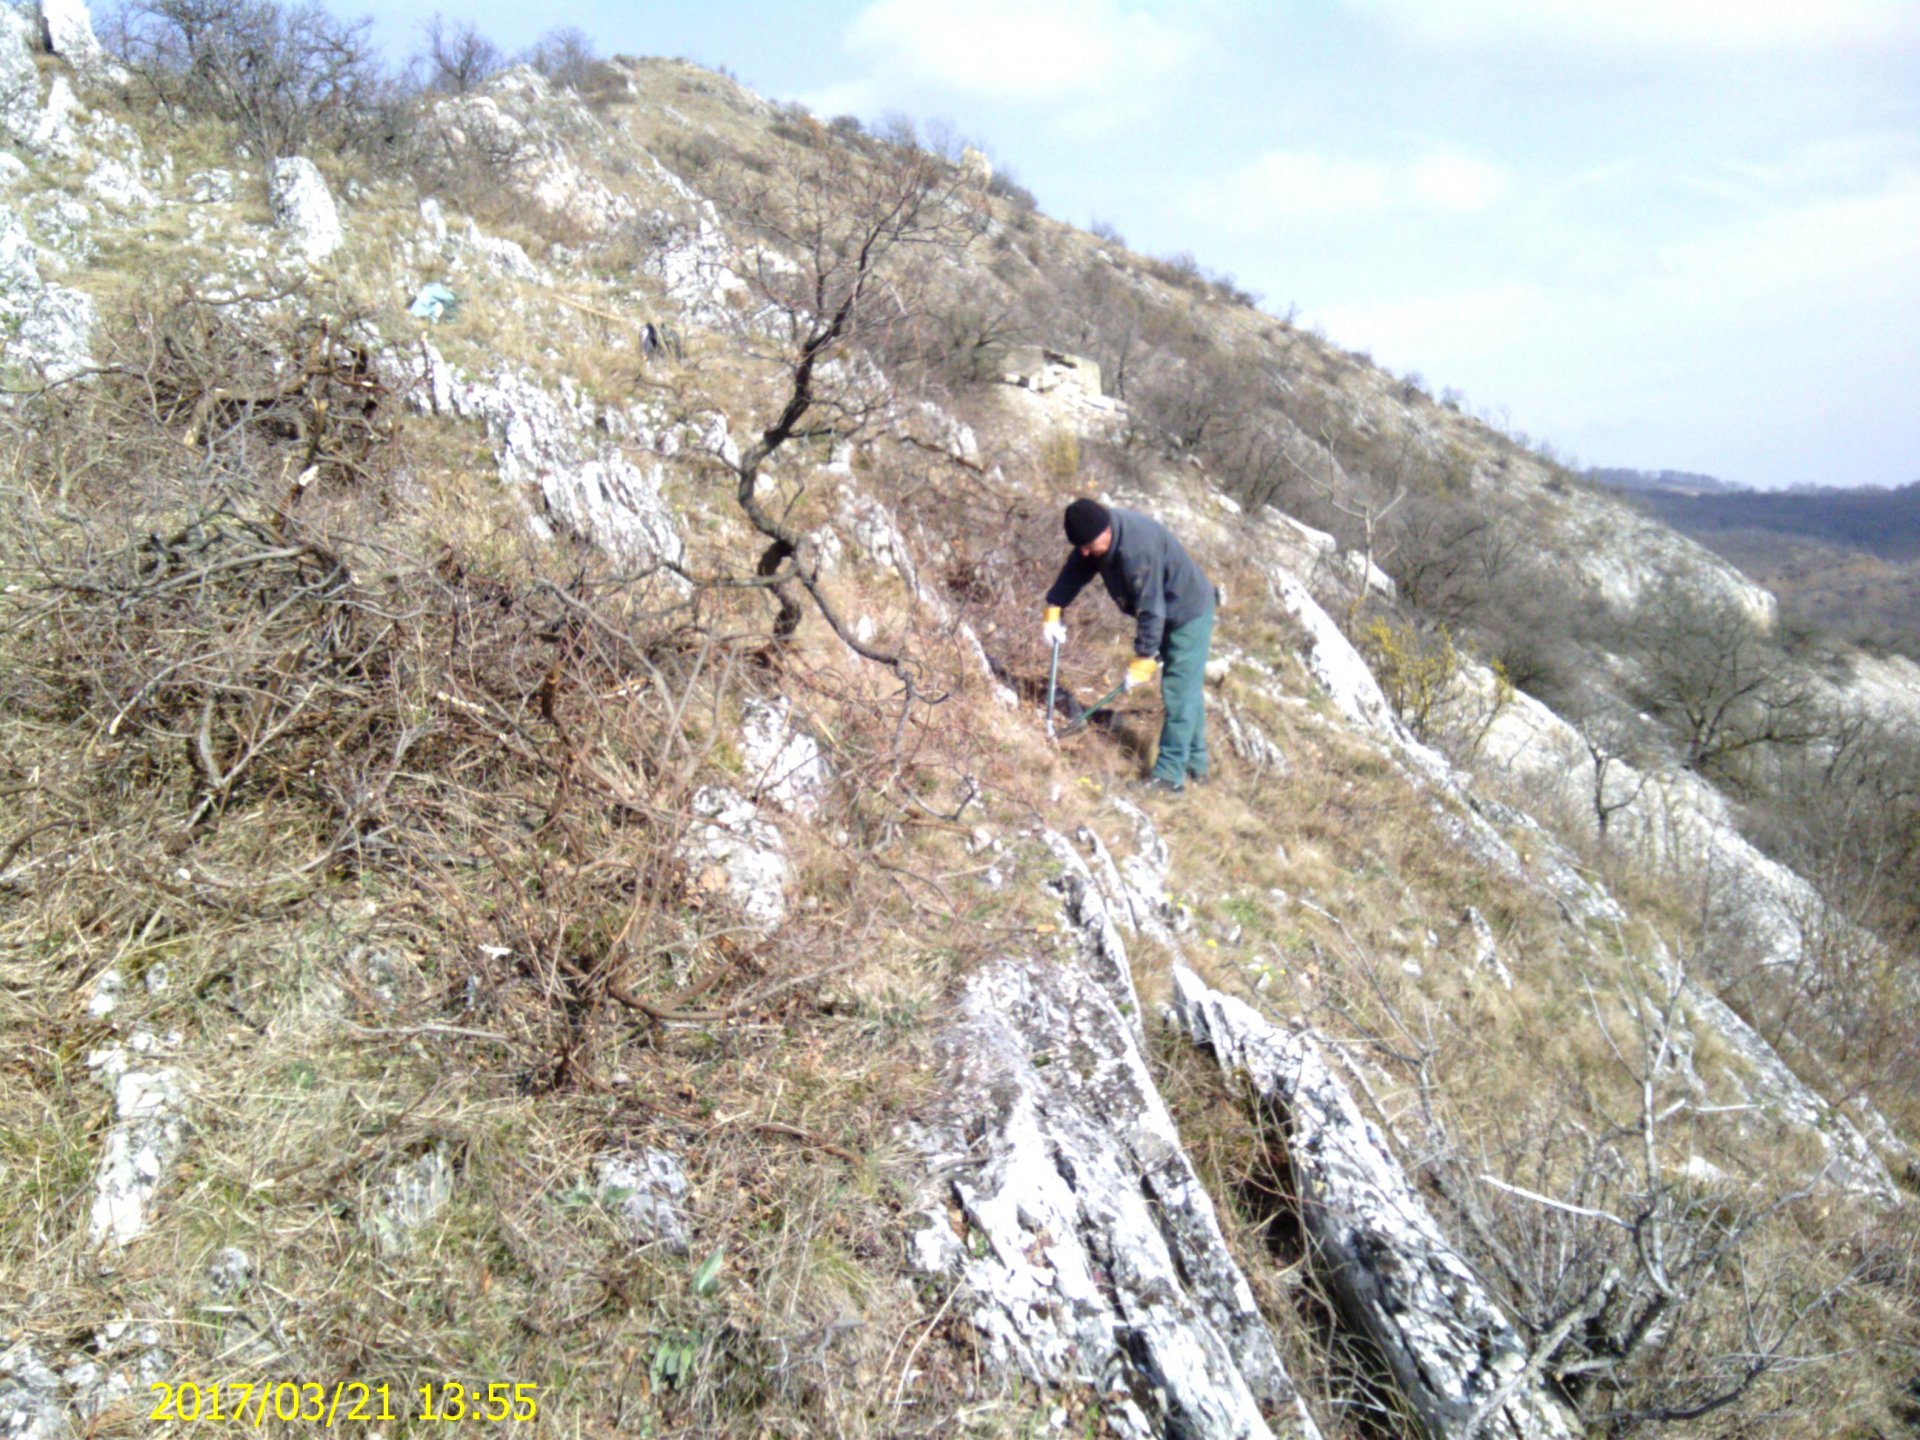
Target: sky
x=1665, y=234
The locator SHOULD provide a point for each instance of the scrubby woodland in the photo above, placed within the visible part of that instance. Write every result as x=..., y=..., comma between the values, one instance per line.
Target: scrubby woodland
x=530, y=852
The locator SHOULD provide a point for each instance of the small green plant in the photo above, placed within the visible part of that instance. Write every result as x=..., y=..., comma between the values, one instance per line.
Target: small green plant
x=676, y=1355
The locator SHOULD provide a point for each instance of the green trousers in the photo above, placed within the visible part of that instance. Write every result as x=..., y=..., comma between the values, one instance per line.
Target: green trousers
x=1183, y=678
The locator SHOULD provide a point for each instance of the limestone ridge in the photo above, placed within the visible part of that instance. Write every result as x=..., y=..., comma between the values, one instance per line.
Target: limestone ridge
x=1087, y=1246
x=1456, y=1358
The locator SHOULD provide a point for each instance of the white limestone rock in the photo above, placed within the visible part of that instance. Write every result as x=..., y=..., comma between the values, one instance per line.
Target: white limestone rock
x=1103, y=954
x=121, y=1361
x=118, y=184
x=784, y=763
x=1060, y=1199
x=1445, y=1341
x=503, y=256
x=66, y=29
x=55, y=128
x=872, y=527
x=1486, y=954
x=32, y=1396
x=692, y=257
x=1137, y=911
x=730, y=850
x=108, y=991
x=1339, y=668
x=1250, y=742
x=46, y=329
x=1143, y=876
x=303, y=207
x=647, y=1189
x=1036, y=368
x=1003, y=694
x=19, y=77
x=411, y=1198
x=1350, y=684
x=229, y=1272
x=212, y=187
x=66, y=226
x=559, y=447
x=148, y=1129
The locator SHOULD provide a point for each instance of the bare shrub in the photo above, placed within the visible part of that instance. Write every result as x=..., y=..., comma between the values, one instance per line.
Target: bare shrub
x=238, y=635
x=566, y=55
x=288, y=78
x=1722, y=683
x=456, y=57
x=1660, y=1294
x=831, y=282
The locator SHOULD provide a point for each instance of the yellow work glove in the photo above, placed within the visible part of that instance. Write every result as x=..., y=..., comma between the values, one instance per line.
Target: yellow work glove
x=1141, y=672
x=1053, y=631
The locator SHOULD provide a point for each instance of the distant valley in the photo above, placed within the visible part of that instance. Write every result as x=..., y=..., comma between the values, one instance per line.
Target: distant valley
x=1846, y=560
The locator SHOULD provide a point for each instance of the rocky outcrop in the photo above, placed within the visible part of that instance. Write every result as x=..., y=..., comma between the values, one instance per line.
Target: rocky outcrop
x=45, y=328
x=66, y=29
x=149, y=1126
x=1454, y=1357
x=731, y=852
x=1062, y=1202
x=32, y=1396
x=303, y=207
x=111, y=1365
x=557, y=447
x=1090, y=910
x=784, y=762
x=518, y=126
x=19, y=77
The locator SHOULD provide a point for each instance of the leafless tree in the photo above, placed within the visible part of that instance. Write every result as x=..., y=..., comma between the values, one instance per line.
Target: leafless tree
x=286, y=77
x=566, y=56
x=457, y=57
x=1652, y=1300
x=1723, y=683
x=1614, y=746
x=830, y=274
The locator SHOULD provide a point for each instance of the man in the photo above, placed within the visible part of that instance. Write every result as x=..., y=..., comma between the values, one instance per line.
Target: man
x=1152, y=579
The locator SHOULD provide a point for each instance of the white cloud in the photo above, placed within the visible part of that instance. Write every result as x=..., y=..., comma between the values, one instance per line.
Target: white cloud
x=1064, y=54
x=1684, y=26
x=1285, y=187
x=1016, y=50
x=1785, y=335
x=1447, y=180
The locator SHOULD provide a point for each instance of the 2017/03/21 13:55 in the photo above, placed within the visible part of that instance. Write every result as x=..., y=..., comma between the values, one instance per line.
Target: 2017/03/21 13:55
x=349, y=1400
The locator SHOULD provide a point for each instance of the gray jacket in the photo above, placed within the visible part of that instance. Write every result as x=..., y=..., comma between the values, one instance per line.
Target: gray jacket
x=1148, y=575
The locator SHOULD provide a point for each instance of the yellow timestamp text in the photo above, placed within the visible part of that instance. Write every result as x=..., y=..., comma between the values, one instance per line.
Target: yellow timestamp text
x=309, y=1402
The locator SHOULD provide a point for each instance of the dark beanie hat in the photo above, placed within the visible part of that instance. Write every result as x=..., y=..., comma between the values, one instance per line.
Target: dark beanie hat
x=1085, y=520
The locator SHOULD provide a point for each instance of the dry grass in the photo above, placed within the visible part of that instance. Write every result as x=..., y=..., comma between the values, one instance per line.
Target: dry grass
x=385, y=951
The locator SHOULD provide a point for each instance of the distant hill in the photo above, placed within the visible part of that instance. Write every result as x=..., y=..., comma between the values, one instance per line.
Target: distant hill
x=1684, y=482
x=1884, y=523
x=1847, y=561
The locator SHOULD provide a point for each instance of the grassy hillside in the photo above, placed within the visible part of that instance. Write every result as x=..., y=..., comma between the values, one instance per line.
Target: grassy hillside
x=368, y=885
x=1845, y=562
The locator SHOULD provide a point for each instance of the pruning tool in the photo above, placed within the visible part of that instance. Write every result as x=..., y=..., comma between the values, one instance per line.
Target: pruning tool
x=1075, y=726
x=1053, y=679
